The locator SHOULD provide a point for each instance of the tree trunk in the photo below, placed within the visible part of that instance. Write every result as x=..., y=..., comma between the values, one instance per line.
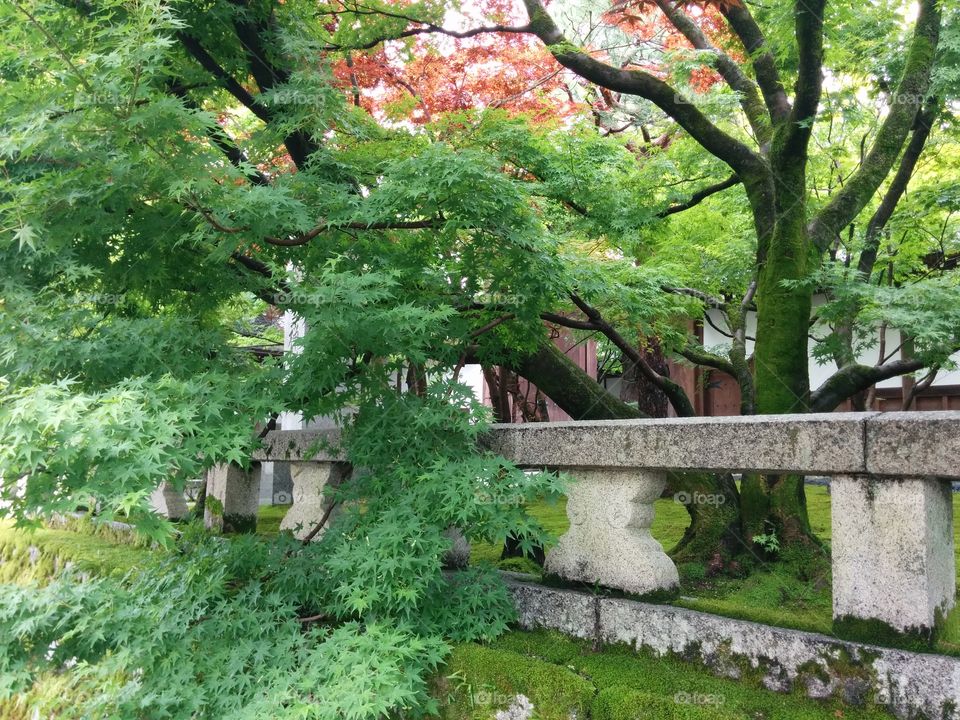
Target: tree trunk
x=577, y=394
x=714, y=536
x=776, y=503
x=635, y=388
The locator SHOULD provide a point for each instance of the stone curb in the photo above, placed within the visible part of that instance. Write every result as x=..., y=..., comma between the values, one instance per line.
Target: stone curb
x=820, y=666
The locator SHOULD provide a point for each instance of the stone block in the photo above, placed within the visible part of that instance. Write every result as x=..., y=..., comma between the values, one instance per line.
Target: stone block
x=609, y=539
x=572, y=613
x=458, y=556
x=310, y=479
x=233, y=499
x=914, y=444
x=892, y=548
x=910, y=684
x=322, y=445
x=166, y=500
x=811, y=444
x=282, y=484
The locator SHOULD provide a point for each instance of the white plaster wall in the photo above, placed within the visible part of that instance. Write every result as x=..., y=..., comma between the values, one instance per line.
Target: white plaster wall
x=819, y=373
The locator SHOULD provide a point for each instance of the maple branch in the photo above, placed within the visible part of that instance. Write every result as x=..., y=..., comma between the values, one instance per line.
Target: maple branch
x=208, y=63
x=808, y=19
x=638, y=82
x=905, y=103
x=425, y=28
x=250, y=31
x=304, y=238
x=744, y=26
x=852, y=379
x=699, y=356
x=699, y=196
x=565, y=321
x=729, y=70
x=705, y=298
x=675, y=393
x=898, y=186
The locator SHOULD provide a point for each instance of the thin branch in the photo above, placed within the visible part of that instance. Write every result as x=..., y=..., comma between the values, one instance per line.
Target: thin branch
x=705, y=298
x=304, y=238
x=206, y=60
x=898, y=186
x=565, y=321
x=491, y=325
x=729, y=70
x=676, y=394
x=699, y=356
x=740, y=20
x=845, y=205
x=319, y=526
x=699, y=196
x=643, y=84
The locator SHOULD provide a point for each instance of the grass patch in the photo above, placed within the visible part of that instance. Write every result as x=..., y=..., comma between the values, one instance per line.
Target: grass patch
x=269, y=519
x=478, y=681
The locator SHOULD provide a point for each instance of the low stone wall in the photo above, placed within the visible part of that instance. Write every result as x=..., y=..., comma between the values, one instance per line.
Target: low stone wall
x=893, y=560
x=782, y=660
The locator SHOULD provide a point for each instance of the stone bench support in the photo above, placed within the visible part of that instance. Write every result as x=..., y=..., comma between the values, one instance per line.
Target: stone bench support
x=892, y=551
x=310, y=502
x=166, y=500
x=609, y=541
x=233, y=498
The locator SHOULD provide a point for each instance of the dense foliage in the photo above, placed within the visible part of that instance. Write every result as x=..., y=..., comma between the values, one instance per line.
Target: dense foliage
x=177, y=175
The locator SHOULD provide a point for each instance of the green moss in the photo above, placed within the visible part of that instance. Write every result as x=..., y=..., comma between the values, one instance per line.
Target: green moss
x=877, y=632
x=36, y=555
x=235, y=523
x=479, y=680
x=631, y=684
x=213, y=505
x=623, y=703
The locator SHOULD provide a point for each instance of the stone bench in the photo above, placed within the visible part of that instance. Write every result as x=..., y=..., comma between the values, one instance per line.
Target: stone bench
x=892, y=513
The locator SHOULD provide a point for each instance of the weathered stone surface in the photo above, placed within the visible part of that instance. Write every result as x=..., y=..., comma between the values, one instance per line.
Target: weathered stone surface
x=572, y=613
x=233, y=499
x=321, y=445
x=609, y=539
x=458, y=556
x=309, y=501
x=912, y=444
x=908, y=683
x=809, y=444
x=166, y=500
x=892, y=549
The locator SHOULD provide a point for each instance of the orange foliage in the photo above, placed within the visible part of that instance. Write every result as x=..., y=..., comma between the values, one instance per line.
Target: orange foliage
x=432, y=74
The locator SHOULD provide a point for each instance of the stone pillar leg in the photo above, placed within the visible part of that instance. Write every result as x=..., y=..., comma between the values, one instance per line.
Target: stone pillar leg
x=309, y=501
x=233, y=499
x=166, y=500
x=609, y=539
x=892, y=551
x=458, y=556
